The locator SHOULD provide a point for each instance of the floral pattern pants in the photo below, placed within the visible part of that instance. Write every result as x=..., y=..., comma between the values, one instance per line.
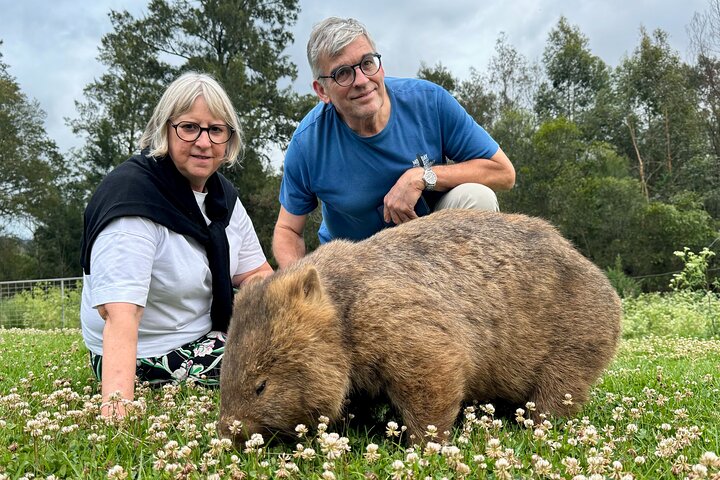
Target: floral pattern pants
x=198, y=360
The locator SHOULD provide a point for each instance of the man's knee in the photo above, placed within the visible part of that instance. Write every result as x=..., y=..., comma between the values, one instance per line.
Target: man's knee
x=470, y=195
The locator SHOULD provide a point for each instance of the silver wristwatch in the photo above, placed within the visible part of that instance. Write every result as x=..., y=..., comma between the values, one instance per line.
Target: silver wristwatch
x=429, y=177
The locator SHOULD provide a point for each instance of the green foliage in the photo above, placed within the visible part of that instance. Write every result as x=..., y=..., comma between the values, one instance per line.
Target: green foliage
x=664, y=228
x=17, y=259
x=694, y=275
x=682, y=313
x=43, y=306
x=626, y=286
x=30, y=165
x=438, y=74
x=574, y=74
x=659, y=108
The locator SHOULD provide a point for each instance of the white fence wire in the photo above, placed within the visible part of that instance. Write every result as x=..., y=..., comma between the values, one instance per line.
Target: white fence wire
x=48, y=303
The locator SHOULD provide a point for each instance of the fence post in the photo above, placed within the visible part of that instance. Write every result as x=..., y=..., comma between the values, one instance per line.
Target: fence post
x=62, y=303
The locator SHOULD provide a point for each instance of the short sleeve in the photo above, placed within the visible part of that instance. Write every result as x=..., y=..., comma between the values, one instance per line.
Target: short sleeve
x=296, y=194
x=463, y=137
x=122, y=261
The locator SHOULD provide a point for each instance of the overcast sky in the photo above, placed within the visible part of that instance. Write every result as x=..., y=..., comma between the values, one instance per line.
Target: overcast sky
x=51, y=46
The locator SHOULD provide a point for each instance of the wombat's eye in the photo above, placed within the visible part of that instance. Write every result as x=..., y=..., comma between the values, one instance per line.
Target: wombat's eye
x=260, y=388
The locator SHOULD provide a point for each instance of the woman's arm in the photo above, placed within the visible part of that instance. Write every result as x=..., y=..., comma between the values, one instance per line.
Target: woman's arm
x=120, y=338
x=259, y=273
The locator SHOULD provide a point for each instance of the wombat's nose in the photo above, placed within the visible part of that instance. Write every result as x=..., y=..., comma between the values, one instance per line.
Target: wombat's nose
x=238, y=431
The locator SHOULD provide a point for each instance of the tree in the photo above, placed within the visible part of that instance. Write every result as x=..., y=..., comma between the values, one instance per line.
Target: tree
x=439, y=74
x=511, y=76
x=475, y=96
x=34, y=187
x=118, y=105
x=704, y=33
x=574, y=74
x=659, y=110
x=29, y=161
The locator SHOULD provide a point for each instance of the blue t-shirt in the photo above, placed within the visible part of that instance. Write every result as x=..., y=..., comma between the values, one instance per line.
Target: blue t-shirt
x=351, y=174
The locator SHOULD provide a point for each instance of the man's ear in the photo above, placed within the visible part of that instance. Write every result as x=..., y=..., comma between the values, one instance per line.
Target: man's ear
x=320, y=91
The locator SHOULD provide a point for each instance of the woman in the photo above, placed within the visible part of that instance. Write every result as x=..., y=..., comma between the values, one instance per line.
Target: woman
x=165, y=240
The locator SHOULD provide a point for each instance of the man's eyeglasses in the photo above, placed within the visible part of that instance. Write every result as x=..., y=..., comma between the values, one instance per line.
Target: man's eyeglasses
x=190, y=131
x=344, y=75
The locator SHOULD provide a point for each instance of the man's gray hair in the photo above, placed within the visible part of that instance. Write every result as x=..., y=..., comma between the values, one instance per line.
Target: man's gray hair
x=330, y=36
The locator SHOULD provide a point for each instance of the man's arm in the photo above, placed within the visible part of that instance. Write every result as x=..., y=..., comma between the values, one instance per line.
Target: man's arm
x=496, y=172
x=288, y=244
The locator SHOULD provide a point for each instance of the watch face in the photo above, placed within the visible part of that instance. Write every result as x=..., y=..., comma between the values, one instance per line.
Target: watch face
x=430, y=178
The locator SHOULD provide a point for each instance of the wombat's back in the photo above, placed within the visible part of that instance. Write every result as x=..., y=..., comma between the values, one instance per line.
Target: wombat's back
x=498, y=296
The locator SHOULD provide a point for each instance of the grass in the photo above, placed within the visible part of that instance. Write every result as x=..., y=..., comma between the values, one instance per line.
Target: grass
x=653, y=415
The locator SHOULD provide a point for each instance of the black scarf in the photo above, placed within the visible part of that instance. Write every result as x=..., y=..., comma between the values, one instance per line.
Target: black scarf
x=155, y=189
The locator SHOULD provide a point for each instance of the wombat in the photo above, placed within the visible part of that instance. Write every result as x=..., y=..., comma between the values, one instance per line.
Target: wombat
x=456, y=306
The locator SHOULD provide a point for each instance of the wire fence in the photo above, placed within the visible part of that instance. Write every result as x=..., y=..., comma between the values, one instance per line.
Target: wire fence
x=43, y=304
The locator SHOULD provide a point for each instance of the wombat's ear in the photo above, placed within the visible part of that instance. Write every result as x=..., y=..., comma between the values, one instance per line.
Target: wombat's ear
x=303, y=285
x=310, y=283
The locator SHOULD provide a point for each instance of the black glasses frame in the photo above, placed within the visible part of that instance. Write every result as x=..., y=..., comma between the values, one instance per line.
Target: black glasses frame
x=353, y=70
x=203, y=129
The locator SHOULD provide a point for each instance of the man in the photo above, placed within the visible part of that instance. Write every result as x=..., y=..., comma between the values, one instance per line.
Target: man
x=376, y=150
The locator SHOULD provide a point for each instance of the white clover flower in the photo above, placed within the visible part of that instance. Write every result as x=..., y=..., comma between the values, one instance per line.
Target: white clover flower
x=451, y=452
x=431, y=431
x=700, y=470
x=301, y=430
x=116, y=472
x=710, y=459
x=392, y=430
x=493, y=449
x=572, y=466
x=432, y=448
x=371, y=454
x=235, y=427
x=462, y=469
x=307, y=454
x=542, y=466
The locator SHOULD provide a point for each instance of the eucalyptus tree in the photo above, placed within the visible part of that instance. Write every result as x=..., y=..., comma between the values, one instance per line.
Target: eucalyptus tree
x=659, y=105
x=574, y=76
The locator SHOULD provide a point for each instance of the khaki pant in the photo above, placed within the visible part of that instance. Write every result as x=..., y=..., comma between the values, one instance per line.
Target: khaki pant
x=469, y=195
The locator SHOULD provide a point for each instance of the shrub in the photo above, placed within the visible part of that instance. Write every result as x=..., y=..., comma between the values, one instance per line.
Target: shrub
x=680, y=314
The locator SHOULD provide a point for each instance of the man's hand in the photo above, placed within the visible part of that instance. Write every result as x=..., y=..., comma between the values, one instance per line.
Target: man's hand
x=401, y=199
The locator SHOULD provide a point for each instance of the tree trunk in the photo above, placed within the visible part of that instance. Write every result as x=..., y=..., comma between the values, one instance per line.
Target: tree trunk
x=641, y=166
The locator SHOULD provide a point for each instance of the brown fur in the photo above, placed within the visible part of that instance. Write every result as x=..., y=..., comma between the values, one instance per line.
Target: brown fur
x=457, y=306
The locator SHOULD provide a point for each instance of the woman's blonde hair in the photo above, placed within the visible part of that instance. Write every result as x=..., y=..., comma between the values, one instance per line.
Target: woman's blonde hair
x=178, y=99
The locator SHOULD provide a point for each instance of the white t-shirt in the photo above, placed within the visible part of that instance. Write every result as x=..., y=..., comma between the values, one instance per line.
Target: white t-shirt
x=135, y=260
